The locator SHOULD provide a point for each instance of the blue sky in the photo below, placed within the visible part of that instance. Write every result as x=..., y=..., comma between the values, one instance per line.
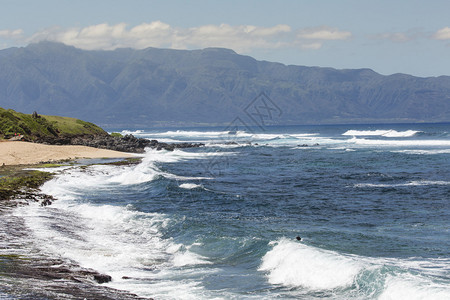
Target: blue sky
x=395, y=36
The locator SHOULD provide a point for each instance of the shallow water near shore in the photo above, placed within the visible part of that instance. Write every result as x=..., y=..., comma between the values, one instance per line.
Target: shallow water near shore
x=371, y=204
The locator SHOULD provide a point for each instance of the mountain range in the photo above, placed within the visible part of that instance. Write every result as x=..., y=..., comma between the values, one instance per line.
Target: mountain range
x=164, y=87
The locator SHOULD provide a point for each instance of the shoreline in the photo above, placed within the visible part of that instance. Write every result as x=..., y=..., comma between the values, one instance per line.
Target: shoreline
x=34, y=275
x=26, y=153
x=20, y=182
x=29, y=273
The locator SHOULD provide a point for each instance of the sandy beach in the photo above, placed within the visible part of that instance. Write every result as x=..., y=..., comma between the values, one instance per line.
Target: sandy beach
x=24, y=153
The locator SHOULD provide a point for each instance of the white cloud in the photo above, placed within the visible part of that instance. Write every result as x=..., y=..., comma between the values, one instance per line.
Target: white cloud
x=310, y=46
x=323, y=33
x=413, y=35
x=241, y=38
x=398, y=37
x=159, y=34
x=314, y=38
x=402, y=37
x=442, y=34
x=11, y=34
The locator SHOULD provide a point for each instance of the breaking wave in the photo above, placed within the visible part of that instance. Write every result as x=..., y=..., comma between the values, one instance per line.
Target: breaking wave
x=297, y=265
x=385, y=133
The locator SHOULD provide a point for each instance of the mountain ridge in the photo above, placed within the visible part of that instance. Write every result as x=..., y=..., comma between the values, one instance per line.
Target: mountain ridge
x=161, y=87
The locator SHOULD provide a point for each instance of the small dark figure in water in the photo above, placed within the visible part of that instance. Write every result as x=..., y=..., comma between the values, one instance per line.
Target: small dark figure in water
x=298, y=238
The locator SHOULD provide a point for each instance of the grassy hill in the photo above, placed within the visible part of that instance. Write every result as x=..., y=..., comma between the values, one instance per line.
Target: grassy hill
x=35, y=126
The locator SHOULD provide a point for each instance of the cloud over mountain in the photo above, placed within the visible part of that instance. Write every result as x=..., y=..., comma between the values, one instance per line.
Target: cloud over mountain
x=241, y=38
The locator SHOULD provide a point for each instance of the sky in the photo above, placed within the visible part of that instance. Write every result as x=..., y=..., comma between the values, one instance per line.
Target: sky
x=388, y=36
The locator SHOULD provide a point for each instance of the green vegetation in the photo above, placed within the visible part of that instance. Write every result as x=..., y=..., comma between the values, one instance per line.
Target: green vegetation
x=116, y=134
x=125, y=162
x=15, y=181
x=50, y=165
x=72, y=126
x=39, y=126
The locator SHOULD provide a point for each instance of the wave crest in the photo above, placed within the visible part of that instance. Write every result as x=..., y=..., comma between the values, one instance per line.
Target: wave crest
x=295, y=264
x=385, y=133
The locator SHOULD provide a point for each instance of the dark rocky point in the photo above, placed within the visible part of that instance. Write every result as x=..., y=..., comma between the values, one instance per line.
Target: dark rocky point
x=127, y=143
x=102, y=278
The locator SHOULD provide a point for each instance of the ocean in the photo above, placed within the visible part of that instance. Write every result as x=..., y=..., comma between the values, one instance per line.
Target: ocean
x=369, y=202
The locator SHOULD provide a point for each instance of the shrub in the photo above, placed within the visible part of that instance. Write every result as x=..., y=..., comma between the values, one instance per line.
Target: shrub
x=116, y=134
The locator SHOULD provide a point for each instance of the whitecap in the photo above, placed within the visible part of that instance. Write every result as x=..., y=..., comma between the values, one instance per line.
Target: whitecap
x=188, y=258
x=135, y=132
x=406, y=184
x=413, y=287
x=298, y=265
x=190, y=186
x=397, y=143
x=423, y=151
x=380, y=132
x=188, y=133
x=309, y=269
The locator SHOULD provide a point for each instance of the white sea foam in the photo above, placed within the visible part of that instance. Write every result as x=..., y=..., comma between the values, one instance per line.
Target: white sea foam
x=113, y=240
x=298, y=265
x=411, y=183
x=135, y=132
x=413, y=287
x=190, y=136
x=216, y=134
x=423, y=151
x=216, y=144
x=116, y=240
x=190, y=186
x=100, y=177
x=269, y=136
x=396, y=143
x=385, y=133
x=303, y=135
x=220, y=138
x=106, y=238
x=310, y=270
x=188, y=258
x=203, y=134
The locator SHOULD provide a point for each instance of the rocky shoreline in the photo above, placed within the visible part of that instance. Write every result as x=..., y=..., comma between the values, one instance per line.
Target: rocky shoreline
x=28, y=273
x=25, y=271
x=36, y=275
x=127, y=143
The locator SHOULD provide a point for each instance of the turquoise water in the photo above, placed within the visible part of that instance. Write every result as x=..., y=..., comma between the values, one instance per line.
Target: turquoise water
x=371, y=204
